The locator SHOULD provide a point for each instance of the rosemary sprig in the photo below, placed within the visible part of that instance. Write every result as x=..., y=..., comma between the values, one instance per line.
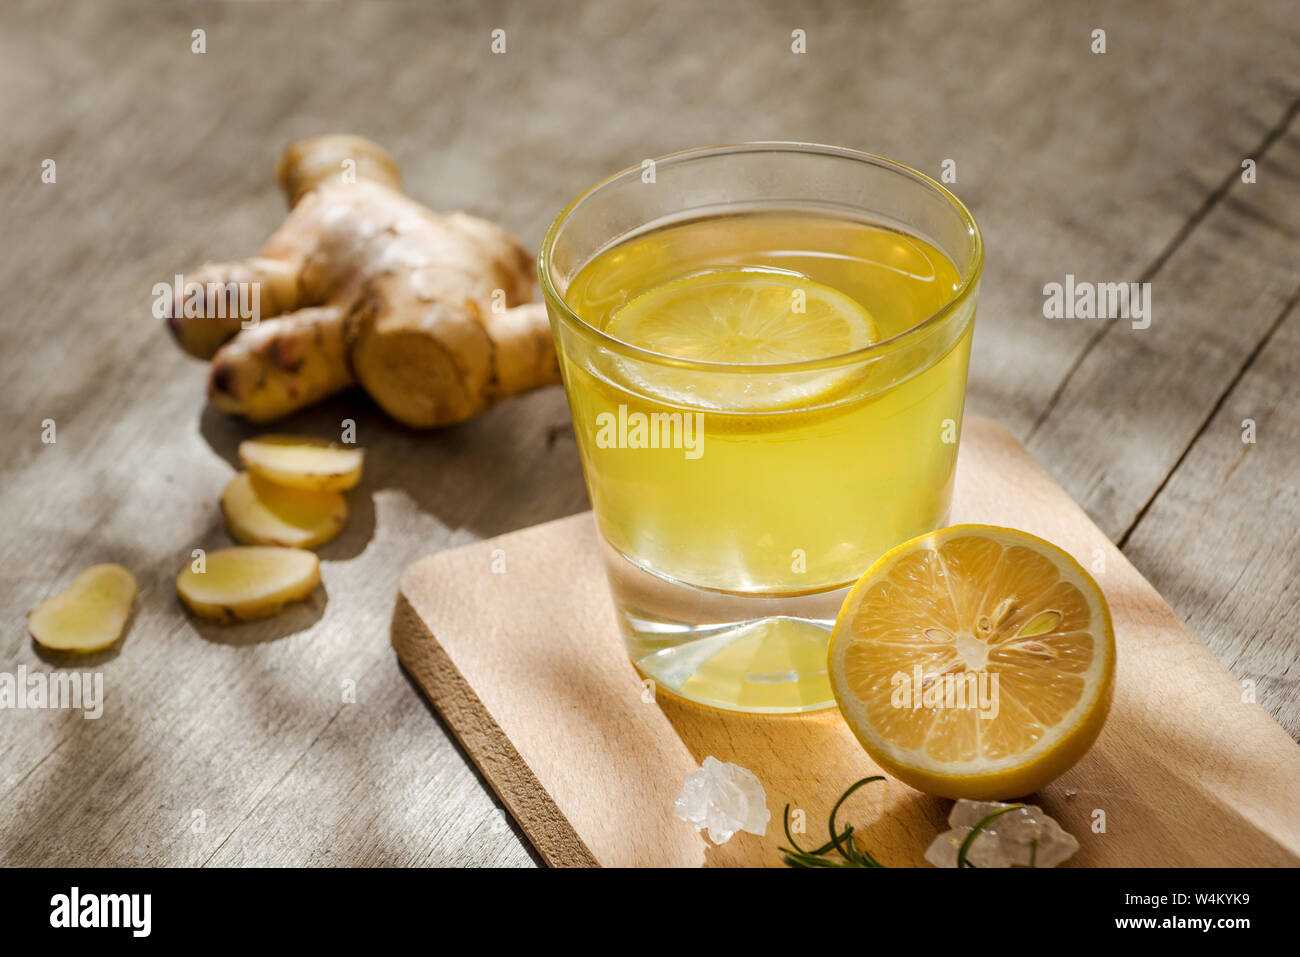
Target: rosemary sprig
x=840, y=841
x=974, y=832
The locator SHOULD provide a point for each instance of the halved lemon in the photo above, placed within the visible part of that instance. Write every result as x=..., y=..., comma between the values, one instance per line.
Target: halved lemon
x=974, y=662
x=742, y=317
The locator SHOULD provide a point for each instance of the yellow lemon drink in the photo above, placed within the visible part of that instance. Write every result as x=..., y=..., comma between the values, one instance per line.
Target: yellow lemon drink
x=758, y=423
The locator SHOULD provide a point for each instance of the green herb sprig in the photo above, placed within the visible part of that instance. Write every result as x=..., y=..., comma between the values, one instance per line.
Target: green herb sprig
x=974, y=832
x=850, y=855
x=841, y=842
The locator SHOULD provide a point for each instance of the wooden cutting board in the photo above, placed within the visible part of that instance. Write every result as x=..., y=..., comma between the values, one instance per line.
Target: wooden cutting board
x=513, y=639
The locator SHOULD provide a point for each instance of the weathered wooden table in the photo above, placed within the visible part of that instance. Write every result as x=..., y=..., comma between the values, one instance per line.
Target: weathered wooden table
x=235, y=745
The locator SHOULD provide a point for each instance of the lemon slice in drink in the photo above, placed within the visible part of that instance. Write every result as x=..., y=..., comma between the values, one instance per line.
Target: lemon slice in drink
x=744, y=316
x=962, y=607
x=741, y=317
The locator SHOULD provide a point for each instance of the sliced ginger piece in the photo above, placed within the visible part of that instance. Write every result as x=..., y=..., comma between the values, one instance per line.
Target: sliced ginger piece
x=300, y=461
x=259, y=512
x=88, y=615
x=248, y=581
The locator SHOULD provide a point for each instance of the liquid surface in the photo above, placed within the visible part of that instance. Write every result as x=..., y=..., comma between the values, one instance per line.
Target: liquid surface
x=899, y=279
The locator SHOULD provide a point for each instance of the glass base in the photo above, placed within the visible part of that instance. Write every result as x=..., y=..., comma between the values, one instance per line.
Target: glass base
x=763, y=654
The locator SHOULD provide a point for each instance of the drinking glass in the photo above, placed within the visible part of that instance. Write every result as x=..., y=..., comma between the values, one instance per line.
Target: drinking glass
x=737, y=503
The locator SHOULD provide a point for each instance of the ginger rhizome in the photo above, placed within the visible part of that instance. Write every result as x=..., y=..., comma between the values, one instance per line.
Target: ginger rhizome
x=89, y=615
x=247, y=582
x=430, y=313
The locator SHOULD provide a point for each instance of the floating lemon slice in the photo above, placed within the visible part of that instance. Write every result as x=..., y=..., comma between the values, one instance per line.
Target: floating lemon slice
x=741, y=317
x=1010, y=617
x=744, y=316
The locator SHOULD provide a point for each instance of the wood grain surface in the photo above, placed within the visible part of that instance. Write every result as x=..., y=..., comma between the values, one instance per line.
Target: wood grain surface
x=236, y=745
x=527, y=667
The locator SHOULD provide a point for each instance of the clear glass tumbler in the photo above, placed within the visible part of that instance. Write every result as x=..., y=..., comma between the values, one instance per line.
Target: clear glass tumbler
x=737, y=503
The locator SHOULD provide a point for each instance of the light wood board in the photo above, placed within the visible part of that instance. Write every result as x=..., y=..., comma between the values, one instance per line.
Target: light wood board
x=514, y=641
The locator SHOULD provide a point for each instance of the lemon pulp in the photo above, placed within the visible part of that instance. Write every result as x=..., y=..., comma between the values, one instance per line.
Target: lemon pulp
x=964, y=606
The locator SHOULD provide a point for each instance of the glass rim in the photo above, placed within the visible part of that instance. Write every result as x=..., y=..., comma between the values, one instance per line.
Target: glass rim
x=969, y=279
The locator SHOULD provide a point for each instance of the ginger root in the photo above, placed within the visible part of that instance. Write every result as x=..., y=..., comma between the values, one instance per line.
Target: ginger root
x=267, y=372
x=248, y=581
x=89, y=614
x=296, y=461
x=431, y=314
x=260, y=512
